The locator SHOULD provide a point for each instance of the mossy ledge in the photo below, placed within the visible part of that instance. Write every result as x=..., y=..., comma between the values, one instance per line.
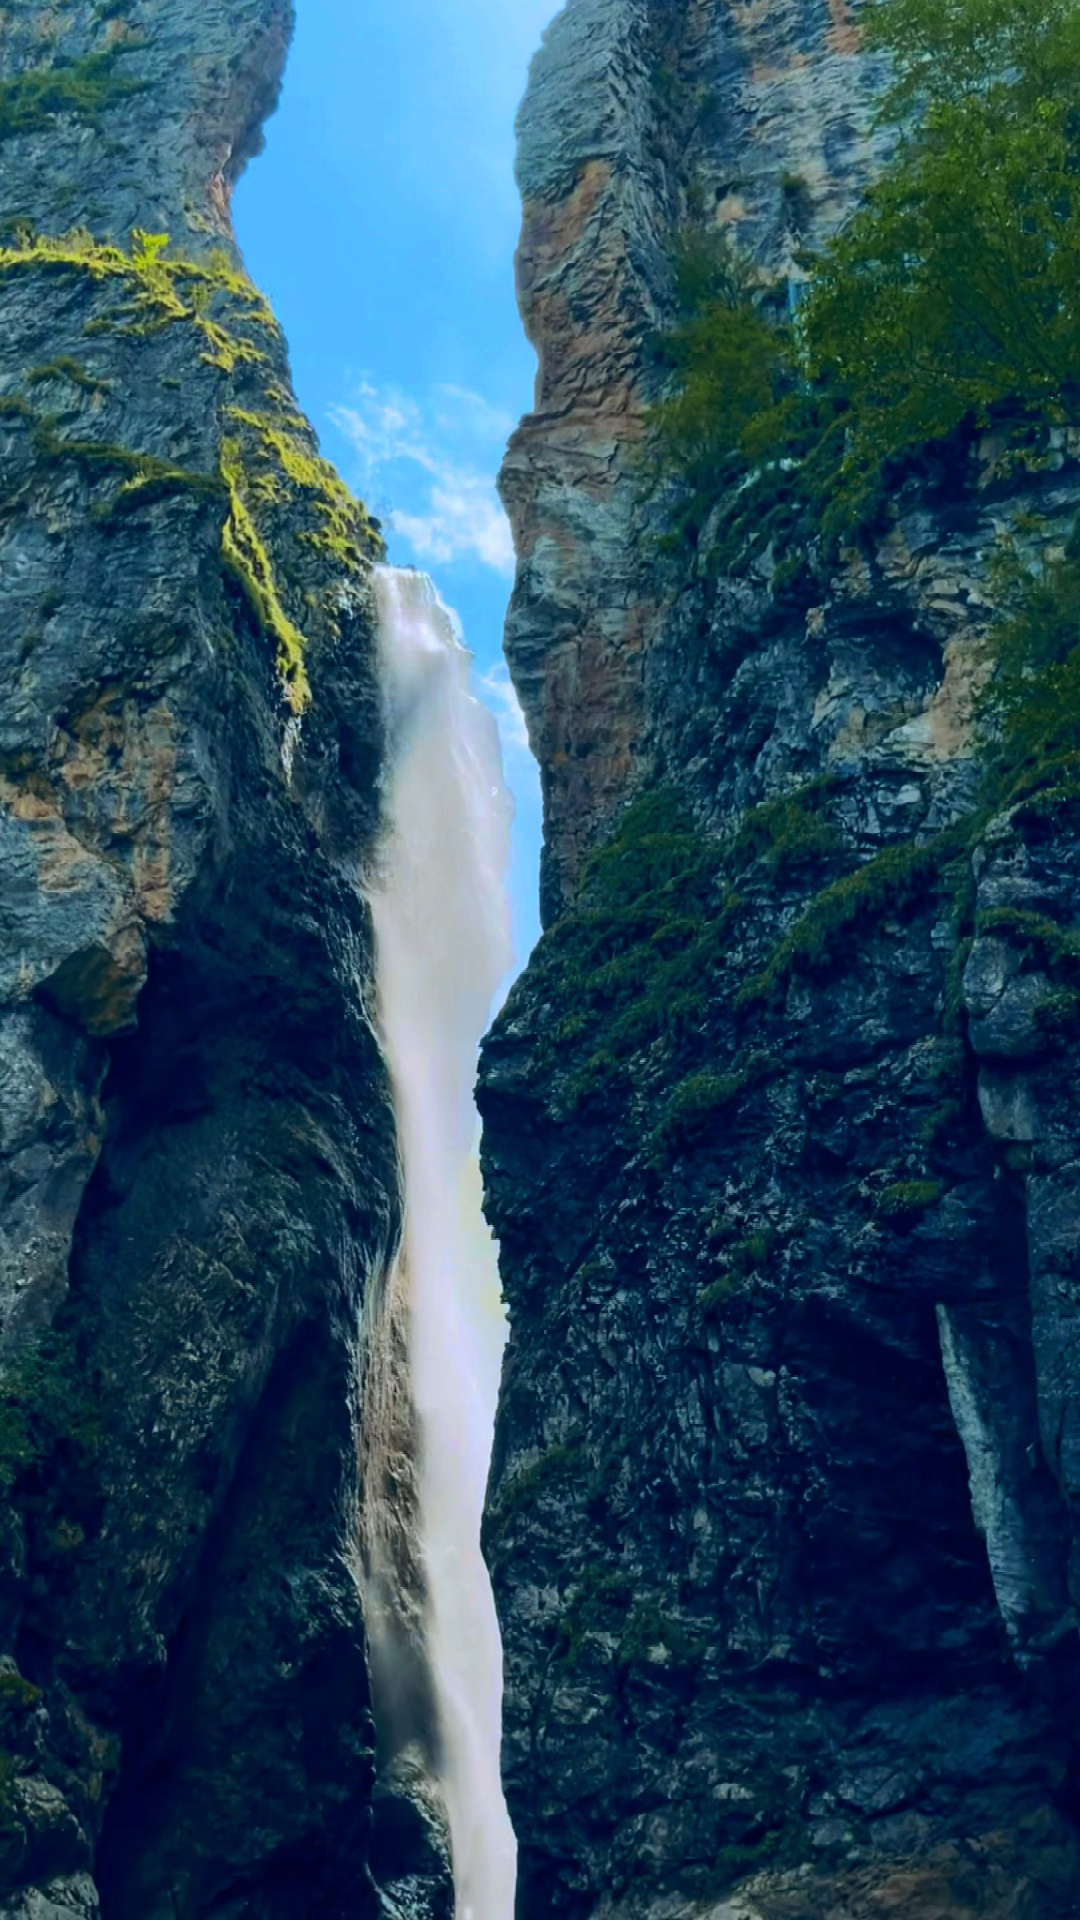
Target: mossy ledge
x=273, y=484
x=85, y=89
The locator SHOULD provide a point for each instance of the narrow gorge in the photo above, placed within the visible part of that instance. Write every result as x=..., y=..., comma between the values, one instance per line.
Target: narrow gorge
x=781, y=1121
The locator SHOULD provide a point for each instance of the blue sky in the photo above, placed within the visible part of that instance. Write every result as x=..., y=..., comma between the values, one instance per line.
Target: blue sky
x=382, y=221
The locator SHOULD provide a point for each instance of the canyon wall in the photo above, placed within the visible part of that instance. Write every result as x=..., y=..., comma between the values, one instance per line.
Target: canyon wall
x=781, y=1122
x=198, y=1167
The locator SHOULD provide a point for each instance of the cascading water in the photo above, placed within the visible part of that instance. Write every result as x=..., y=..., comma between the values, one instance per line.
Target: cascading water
x=442, y=941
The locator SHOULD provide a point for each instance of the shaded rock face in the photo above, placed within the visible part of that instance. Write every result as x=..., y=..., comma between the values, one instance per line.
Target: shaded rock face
x=782, y=1511
x=198, y=1172
x=637, y=114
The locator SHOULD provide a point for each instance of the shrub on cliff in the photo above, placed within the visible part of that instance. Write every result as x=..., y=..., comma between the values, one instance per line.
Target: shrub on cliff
x=751, y=444
x=956, y=286
x=953, y=292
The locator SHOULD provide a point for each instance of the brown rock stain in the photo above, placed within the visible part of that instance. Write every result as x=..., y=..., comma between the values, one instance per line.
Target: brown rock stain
x=126, y=759
x=845, y=34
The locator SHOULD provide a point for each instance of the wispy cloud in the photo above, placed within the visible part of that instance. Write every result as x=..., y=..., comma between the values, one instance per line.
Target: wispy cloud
x=437, y=460
x=499, y=694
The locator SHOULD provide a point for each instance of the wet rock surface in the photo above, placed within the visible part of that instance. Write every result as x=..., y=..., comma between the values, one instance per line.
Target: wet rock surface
x=782, y=1511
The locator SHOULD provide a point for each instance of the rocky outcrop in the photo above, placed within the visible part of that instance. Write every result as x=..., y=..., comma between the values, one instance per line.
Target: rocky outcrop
x=198, y=1172
x=639, y=115
x=779, y=1123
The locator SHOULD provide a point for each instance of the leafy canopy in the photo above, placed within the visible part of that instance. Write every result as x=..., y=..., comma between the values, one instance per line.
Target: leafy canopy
x=956, y=287
x=951, y=295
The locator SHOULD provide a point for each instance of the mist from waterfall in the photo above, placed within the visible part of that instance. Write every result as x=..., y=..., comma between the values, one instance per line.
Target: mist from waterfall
x=442, y=933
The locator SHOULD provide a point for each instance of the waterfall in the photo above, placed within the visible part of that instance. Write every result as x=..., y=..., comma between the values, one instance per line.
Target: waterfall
x=442, y=944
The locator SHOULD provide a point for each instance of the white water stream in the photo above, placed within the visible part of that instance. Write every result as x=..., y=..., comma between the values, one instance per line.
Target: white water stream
x=442, y=933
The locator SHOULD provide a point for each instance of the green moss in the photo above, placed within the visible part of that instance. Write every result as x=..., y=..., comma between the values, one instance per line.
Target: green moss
x=742, y=1858
x=18, y=1699
x=716, y=1295
x=522, y=1490
x=947, y=1075
x=247, y=560
x=657, y=1641
x=159, y=290
x=270, y=469
x=636, y=964
x=274, y=486
x=550, y=1469
x=744, y=1262
x=1039, y=939
x=693, y=1110
x=66, y=368
x=44, y=1405
x=889, y=883
x=600, y=1604
x=143, y=476
x=344, y=532
x=791, y=833
x=903, y=1202
x=85, y=89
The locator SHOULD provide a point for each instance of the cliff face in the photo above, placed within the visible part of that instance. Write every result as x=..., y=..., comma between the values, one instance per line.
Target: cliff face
x=198, y=1175
x=781, y=1122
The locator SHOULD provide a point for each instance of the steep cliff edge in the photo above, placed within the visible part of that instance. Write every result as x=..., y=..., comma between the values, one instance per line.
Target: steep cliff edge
x=781, y=1122
x=198, y=1172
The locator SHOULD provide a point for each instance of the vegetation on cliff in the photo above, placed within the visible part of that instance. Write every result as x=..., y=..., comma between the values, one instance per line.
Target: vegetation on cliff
x=86, y=89
x=273, y=488
x=948, y=299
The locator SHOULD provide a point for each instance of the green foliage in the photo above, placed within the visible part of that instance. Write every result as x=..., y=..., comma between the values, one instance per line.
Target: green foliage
x=729, y=364
x=1037, y=938
x=86, y=89
x=903, y=1202
x=790, y=833
x=636, y=963
x=271, y=481
x=1033, y=700
x=44, y=1405
x=951, y=295
x=891, y=882
x=693, y=1111
x=744, y=1262
x=955, y=288
x=66, y=368
x=741, y=432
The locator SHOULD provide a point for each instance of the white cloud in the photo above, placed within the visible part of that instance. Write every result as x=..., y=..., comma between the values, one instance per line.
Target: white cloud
x=442, y=457
x=462, y=410
x=500, y=694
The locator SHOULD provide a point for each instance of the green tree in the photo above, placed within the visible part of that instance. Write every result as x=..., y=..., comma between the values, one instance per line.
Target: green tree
x=955, y=289
x=951, y=297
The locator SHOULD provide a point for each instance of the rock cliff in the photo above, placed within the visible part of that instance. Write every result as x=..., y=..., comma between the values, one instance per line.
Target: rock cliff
x=781, y=1122
x=198, y=1172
